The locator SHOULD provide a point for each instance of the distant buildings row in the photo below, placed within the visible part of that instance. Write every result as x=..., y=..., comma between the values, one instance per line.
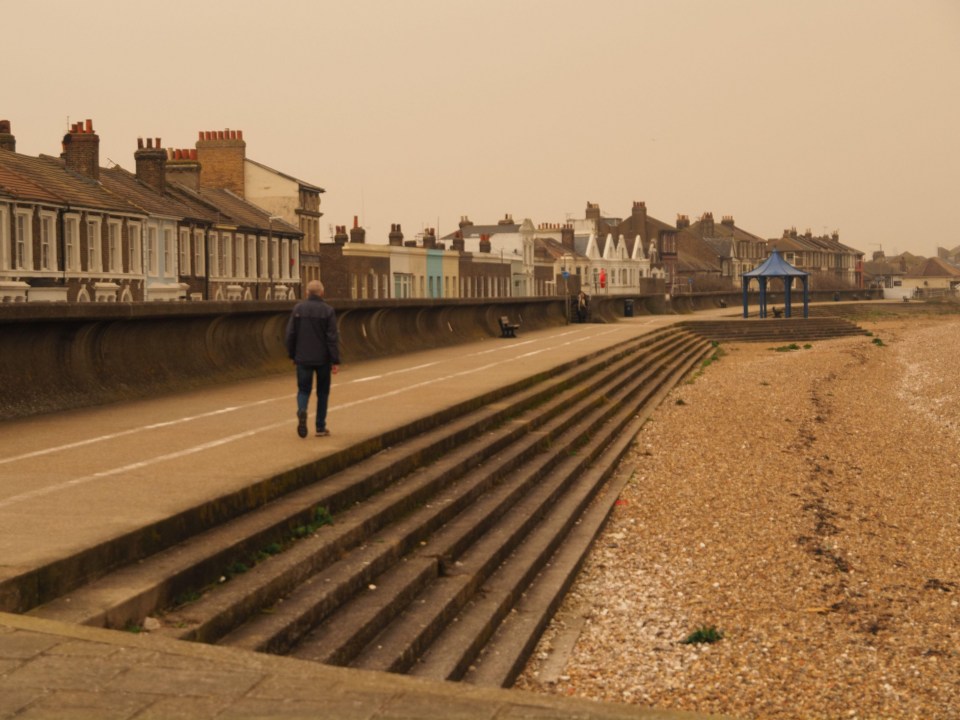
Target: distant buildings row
x=209, y=223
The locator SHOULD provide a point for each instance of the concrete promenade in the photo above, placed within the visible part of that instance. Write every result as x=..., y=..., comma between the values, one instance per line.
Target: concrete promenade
x=70, y=481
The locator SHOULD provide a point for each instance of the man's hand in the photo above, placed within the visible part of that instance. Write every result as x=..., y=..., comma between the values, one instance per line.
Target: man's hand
x=334, y=369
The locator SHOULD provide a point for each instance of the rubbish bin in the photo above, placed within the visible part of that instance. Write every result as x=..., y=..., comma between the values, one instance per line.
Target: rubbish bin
x=628, y=308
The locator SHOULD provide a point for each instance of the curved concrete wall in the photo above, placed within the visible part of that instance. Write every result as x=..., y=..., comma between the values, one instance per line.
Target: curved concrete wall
x=55, y=357
x=60, y=356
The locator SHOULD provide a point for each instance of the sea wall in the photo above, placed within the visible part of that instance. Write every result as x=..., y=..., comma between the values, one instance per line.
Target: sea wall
x=56, y=356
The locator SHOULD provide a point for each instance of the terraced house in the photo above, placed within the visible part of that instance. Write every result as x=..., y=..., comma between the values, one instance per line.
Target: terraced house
x=208, y=223
x=73, y=231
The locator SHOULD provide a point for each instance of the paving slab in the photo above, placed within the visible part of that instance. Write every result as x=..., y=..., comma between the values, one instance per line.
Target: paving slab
x=44, y=674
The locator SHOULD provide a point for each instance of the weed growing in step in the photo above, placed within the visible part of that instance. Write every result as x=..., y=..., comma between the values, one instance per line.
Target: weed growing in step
x=718, y=352
x=321, y=517
x=269, y=551
x=681, y=401
x=132, y=627
x=703, y=634
x=235, y=568
x=878, y=342
x=786, y=348
x=186, y=597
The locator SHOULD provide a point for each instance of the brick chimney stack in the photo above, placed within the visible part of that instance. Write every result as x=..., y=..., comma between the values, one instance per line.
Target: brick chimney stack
x=507, y=220
x=727, y=220
x=341, y=237
x=81, y=150
x=7, y=140
x=182, y=167
x=429, y=238
x=151, y=162
x=465, y=222
x=357, y=233
x=706, y=225
x=566, y=237
x=485, y=244
x=683, y=221
x=639, y=214
x=221, y=153
x=458, y=243
x=593, y=211
x=396, y=235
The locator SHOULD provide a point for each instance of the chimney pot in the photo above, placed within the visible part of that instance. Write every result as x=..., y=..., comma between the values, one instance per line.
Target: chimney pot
x=139, y=143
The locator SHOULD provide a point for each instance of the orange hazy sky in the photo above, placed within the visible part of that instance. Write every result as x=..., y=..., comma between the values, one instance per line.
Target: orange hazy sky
x=821, y=114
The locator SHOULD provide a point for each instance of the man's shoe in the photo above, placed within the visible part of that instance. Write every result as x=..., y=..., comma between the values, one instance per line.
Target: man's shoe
x=302, y=423
x=323, y=433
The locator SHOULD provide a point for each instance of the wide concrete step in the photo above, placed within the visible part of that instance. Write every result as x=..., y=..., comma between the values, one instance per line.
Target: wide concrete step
x=500, y=480
x=433, y=542
x=428, y=637
x=794, y=329
x=531, y=583
x=185, y=570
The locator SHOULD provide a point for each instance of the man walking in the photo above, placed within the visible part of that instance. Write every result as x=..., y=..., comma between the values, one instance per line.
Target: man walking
x=313, y=345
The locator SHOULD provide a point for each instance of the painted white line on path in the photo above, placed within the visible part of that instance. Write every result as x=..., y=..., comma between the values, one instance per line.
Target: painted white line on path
x=244, y=406
x=40, y=492
x=190, y=418
x=46, y=490
x=132, y=431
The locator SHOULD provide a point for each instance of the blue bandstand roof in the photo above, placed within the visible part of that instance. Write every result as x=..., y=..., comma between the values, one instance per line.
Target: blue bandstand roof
x=775, y=266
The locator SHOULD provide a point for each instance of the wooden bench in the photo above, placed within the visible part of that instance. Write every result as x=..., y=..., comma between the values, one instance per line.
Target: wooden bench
x=508, y=329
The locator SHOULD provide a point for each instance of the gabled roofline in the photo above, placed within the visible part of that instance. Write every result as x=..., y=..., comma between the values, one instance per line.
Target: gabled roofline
x=302, y=183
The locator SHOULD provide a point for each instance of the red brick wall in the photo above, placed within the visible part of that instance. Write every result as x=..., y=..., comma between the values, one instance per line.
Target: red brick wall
x=221, y=154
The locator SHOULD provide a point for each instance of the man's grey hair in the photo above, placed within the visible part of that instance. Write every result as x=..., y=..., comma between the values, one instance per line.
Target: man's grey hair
x=315, y=287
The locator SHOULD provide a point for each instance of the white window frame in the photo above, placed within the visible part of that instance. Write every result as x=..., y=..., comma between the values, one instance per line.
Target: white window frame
x=71, y=242
x=169, y=238
x=94, y=248
x=199, y=259
x=294, y=259
x=4, y=239
x=274, y=259
x=285, y=259
x=214, y=254
x=135, y=247
x=49, y=256
x=22, y=240
x=251, y=269
x=114, y=246
x=239, y=268
x=226, y=254
x=184, y=251
x=152, y=255
x=262, y=259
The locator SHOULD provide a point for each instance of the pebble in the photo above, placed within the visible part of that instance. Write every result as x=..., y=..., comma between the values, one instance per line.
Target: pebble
x=812, y=515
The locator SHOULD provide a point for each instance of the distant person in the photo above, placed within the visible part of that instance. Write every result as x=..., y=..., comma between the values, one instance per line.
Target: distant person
x=582, y=303
x=313, y=345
